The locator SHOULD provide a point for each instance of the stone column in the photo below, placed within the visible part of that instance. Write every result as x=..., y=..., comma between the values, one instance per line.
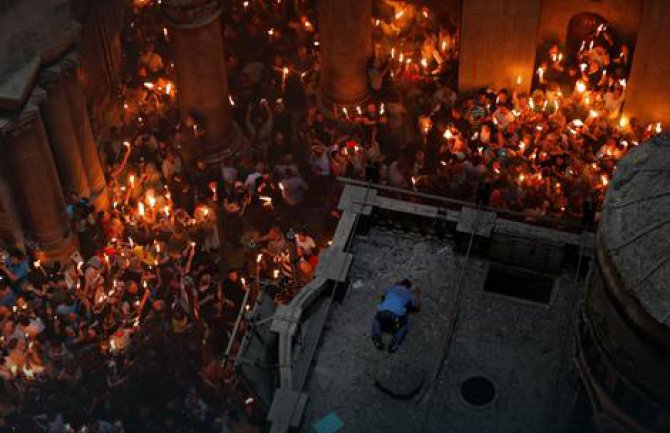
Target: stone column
x=62, y=133
x=648, y=93
x=34, y=181
x=196, y=38
x=87, y=145
x=498, y=44
x=11, y=233
x=345, y=35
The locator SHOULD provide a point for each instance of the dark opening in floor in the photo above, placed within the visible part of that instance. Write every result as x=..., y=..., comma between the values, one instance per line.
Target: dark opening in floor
x=478, y=391
x=519, y=284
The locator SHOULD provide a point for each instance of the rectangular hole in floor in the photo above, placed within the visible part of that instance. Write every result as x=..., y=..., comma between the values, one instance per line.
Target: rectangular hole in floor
x=518, y=283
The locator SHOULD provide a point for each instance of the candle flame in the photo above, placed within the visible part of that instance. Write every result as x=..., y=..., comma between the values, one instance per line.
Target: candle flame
x=581, y=86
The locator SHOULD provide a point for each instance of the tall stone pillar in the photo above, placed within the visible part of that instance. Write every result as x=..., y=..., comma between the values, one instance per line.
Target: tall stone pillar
x=62, y=133
x=11, y=233
x=648, y=93
x=34, y=181
x=87, y=145
x=196, y=38
x=498, y=44
x=345, y=35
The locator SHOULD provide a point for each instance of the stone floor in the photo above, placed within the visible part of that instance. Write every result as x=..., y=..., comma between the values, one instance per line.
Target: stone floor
x=521, y=346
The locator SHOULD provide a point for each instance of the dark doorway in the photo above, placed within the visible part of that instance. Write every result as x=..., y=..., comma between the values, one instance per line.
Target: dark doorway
x=519, y=283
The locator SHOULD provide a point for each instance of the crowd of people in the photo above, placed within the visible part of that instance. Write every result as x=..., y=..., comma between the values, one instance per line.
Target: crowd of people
x=129, y=334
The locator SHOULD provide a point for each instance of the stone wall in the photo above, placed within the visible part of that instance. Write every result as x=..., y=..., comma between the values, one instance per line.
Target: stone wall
x=648, y=95
x=498, y=43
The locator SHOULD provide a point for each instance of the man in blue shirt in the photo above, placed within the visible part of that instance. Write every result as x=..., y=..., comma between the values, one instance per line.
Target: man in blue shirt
x=15, y=269
x=391, y=317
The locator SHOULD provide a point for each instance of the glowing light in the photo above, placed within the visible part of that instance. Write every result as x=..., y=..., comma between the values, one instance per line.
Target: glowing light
x=149, y=85
x=400, y=14
x=259, y=258
x=659, y=129
x=230, y=99
x=448, y=134
x=580, y=86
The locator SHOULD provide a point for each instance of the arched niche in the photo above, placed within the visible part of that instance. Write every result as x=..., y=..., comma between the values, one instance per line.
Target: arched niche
x=556, y=16
x=580, y=27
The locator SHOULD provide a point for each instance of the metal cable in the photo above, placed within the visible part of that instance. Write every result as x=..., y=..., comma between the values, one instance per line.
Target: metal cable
x=452, y=323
